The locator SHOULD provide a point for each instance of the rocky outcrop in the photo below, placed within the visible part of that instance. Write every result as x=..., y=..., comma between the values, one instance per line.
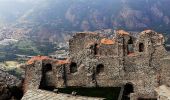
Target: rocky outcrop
x=10, y=86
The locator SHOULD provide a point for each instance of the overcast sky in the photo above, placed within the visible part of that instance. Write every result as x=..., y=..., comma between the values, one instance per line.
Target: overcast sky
x=16, y=0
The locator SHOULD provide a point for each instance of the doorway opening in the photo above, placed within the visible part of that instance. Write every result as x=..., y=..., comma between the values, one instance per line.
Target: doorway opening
x=45, y=70
x=128, y=89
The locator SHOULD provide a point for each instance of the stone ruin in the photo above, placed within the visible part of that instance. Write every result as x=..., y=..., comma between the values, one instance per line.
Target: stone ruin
x=10, y=87
x=138, y=63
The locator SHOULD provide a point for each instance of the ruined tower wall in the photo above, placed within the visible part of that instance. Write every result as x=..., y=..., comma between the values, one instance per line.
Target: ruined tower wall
x=89, y=75
x=81, y=41
x=99, y=61
x=165, y=75
x=91, y=45
x=33, y=76
x=35, y=73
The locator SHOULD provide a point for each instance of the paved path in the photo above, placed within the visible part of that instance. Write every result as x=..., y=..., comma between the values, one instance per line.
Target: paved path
x=45, y=95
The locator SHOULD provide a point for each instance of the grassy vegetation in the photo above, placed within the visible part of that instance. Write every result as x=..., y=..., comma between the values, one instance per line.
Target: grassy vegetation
x=16, y=72
x=25, y=47
x=13, y=68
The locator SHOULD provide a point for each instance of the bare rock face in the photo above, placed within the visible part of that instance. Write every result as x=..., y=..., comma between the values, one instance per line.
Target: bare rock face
x=4, y=92
x=10, y=86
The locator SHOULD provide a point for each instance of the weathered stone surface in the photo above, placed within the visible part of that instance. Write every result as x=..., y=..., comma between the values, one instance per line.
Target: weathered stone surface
x=92, y=63
x=45, y=95
x=163, y=92
x=7, y=84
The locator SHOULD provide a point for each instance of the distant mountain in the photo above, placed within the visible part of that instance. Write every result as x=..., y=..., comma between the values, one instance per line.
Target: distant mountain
x=52, y=18
x=91, y=14
x=55, y=20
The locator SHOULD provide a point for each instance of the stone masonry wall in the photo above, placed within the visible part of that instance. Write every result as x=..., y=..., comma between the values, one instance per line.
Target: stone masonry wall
x=98, y=61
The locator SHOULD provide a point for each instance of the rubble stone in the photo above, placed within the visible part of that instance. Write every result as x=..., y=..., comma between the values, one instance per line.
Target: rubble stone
x=124, y=59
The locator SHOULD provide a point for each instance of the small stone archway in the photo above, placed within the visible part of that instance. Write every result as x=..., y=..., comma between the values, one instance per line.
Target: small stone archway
x=73, y=67
x=99, y=68
x=128, y=89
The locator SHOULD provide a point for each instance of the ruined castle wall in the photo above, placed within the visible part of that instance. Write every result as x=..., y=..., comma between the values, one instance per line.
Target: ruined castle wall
x=135, y=60
x=111, y=50
x=59, y=75
x=138, y=72
x=76, y=44
x=89, y=75
x=110, y=73
x=81, y=41
x=33, y=76
x=142, y=68
x=77, y=78
x=165, y=75
x=126, y=44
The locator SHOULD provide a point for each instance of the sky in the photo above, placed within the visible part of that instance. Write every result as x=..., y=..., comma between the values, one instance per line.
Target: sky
x=16, y=0
x=4, y=2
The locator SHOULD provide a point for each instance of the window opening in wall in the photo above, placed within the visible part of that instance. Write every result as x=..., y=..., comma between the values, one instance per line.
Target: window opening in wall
x=100, y=68
x=47, y=68
x=128, y=88
x=141, y=47
x=73, y=67
x=130, y=48
x=95, y=49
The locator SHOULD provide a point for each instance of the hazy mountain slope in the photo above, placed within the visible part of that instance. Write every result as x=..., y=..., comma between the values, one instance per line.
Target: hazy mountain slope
x=80, y=15
x=99, y=14
x=52, y=21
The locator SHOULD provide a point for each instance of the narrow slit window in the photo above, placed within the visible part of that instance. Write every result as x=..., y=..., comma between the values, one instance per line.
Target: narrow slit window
x=130, y=47
x=73, y=67
x=95, y=49
x=141, y=47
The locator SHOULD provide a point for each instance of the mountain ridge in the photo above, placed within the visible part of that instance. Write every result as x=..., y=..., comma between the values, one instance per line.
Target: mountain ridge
x=54, y=21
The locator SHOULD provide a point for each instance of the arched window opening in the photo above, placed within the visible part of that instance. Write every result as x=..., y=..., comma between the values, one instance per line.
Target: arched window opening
x=128, y=88
x=95, y=49
x=141, y=47
x=100, y=69
x=47, y=68
x=130, y=48
x=73, y=67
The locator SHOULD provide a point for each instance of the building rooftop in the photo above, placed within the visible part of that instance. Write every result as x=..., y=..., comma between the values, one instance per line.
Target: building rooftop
x=37, y=58
x=61, y=62
x=122, y=32
x=107, y=41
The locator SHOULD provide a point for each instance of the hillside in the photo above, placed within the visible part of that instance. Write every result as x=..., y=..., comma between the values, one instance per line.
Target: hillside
x=91, y=15
x=53, y=21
